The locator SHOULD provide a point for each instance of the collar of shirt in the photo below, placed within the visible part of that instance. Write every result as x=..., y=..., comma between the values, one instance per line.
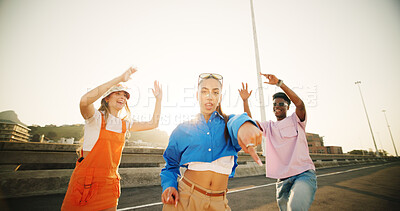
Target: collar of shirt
x=215, y=114
x=202, y=141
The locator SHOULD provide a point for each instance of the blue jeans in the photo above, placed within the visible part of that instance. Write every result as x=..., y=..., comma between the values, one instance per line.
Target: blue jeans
x=296, y=192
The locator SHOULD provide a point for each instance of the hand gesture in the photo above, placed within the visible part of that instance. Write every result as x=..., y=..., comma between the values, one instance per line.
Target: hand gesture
x=272, y=79
x=127, y=74
x=157, y=91
x=244, y=93
x=170, y=196
x=250, y=136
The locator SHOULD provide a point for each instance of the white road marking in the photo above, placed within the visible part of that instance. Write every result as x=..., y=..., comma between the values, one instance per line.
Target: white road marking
x=250, y=188
x=141, y=206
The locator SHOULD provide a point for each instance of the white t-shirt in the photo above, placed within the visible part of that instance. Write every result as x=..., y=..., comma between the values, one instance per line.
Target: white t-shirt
x=93, y=126
x=222, y=165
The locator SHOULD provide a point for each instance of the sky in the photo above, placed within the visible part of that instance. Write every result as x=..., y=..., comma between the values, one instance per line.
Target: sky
x=52, y=52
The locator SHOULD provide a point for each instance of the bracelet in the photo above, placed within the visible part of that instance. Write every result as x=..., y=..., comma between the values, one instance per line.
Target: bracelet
x=279, y=83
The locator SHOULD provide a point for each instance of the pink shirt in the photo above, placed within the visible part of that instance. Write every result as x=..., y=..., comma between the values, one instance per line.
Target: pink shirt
x=286, y=147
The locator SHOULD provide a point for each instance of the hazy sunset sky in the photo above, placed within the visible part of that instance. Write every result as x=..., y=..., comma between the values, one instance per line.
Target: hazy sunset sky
x=53, y=51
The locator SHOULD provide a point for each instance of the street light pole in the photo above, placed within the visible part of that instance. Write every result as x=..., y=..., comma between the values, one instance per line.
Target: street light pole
x=260, y=88
x=365, y=109
x=391, y=136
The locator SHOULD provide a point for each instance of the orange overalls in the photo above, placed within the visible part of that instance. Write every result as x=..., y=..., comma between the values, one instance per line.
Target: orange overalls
x=94, y=184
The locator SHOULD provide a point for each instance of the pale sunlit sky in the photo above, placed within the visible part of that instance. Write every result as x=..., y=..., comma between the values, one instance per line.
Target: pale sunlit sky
x=53, y=51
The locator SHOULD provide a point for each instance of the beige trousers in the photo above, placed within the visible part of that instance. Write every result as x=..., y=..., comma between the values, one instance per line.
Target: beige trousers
x=190, y=199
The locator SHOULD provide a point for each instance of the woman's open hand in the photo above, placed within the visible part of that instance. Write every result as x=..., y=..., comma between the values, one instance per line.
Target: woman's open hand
x=244, y=92
x=157, y=91
x=126, y=76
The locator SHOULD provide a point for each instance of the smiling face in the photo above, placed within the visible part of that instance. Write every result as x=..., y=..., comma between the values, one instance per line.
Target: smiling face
x=280, y=107
x=209, y=96
x=117, y=100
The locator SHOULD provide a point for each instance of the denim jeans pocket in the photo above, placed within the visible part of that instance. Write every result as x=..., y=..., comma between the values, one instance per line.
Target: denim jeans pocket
x=312, y=178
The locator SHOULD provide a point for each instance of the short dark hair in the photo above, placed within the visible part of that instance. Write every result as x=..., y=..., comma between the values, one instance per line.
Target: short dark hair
x=281, y=95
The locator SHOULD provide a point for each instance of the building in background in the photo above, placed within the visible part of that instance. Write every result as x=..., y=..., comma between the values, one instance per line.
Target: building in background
x=316, y=145
x=334, y=150
x=67, y=140
x=12, y=131
x=11, y=128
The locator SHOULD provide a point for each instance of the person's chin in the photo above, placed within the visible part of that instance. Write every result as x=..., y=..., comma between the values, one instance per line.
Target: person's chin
x=280, y=116
x=209, y=111
x=119, y=107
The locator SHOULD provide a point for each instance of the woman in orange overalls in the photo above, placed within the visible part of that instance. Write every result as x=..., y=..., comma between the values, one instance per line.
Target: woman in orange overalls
x=94, y=184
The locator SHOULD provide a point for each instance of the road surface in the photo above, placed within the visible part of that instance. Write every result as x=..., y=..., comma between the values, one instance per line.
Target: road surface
x=356, y=187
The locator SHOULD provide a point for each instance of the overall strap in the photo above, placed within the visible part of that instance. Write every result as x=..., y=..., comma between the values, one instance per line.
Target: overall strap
x=123, y=126
x=103, y=121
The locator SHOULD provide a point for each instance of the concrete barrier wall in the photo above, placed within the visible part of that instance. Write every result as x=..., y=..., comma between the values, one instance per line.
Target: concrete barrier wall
x=48, y=167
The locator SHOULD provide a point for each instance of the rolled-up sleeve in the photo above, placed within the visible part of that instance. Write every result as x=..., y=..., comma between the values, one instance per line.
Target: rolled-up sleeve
x=234, y=123
x=172, y=155
x=297, y=120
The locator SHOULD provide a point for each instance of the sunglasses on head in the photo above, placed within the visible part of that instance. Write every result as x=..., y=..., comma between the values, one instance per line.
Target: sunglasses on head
x=280, y=104
x=210, y=75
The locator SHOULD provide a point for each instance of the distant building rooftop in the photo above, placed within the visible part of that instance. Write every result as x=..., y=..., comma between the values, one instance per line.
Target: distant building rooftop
x=11, y=131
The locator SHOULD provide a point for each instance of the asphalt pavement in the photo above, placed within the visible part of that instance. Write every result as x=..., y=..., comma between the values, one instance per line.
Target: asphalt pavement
x=374, y=186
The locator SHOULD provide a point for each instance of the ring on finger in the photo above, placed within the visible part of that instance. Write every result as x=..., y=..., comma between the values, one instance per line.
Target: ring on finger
x=250, y=145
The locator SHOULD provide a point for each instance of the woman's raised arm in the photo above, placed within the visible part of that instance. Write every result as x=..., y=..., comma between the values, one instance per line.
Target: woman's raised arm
x=87, y=100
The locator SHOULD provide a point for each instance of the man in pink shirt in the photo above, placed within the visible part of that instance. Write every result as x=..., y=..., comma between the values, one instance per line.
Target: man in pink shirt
x=287, y=157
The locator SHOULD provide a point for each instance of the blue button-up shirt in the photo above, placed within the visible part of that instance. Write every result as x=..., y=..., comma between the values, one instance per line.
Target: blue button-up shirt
x=201, y=141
